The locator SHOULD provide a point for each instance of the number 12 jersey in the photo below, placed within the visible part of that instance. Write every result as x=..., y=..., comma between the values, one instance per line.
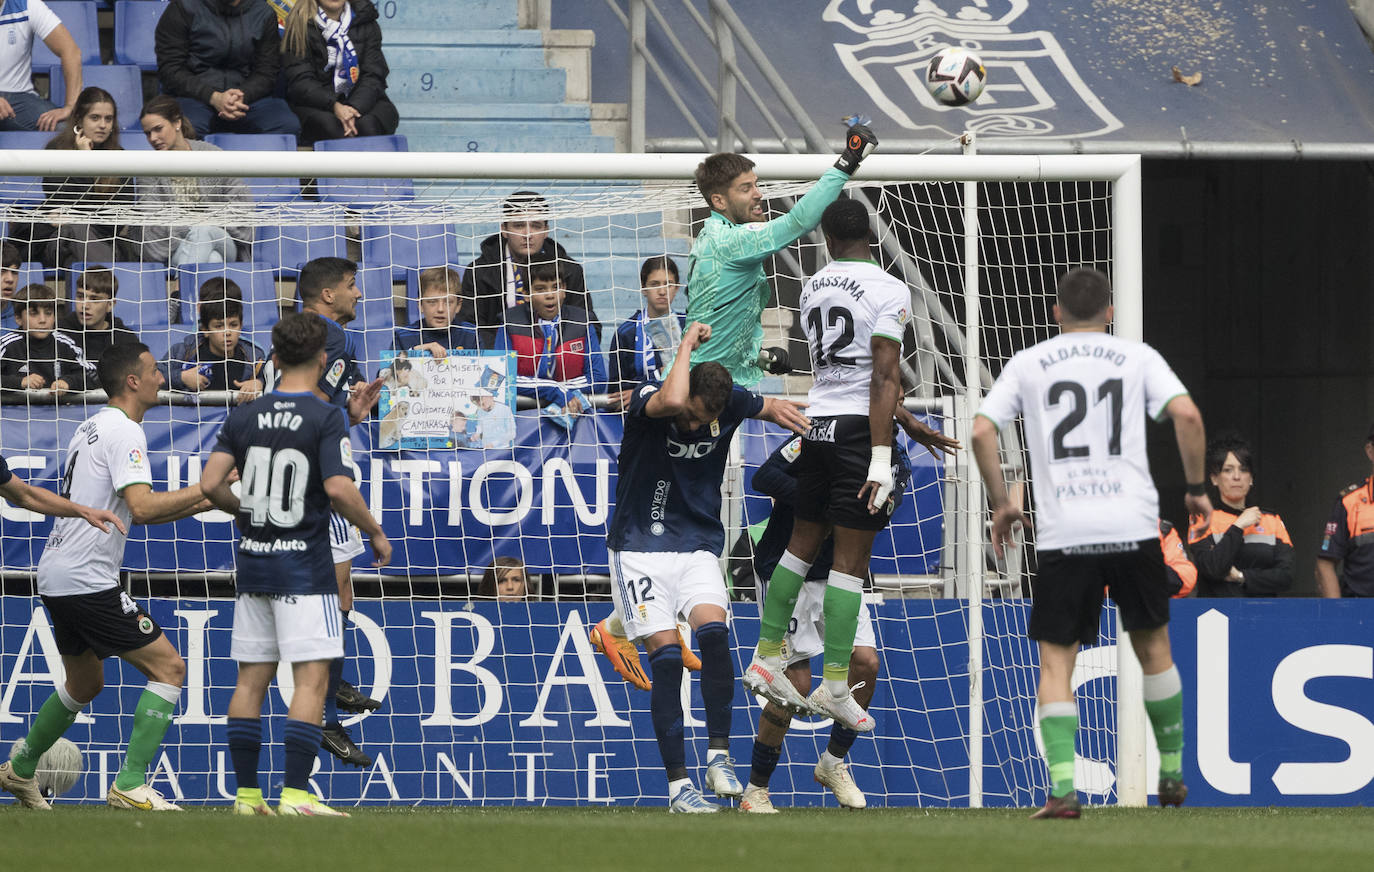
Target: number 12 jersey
x=1084, y=396
x=285, y=445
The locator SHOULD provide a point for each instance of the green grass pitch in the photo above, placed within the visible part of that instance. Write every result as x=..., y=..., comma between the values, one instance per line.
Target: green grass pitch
x=639, y=839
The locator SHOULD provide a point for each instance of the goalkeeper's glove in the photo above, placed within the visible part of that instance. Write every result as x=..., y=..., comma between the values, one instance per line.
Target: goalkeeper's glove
x=880, y=473
x=858, y=144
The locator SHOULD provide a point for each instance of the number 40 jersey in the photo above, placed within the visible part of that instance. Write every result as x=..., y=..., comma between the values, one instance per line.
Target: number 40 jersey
x=843, y=306
x=285, y=446
x=1085, y=396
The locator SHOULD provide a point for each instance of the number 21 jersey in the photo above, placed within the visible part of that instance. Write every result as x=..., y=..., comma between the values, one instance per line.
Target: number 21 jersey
x=843, y=306
x=1084, y=396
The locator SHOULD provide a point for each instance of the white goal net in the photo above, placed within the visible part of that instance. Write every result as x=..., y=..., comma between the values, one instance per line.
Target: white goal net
x=469, y=461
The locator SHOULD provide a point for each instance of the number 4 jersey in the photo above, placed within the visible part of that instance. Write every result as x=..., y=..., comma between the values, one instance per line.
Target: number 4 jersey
x=285, y=446
x=843, y=306
x=107, y=453
x=1084, y=396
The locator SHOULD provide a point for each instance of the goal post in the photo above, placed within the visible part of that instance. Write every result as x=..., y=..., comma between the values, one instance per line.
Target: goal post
x=978, y=239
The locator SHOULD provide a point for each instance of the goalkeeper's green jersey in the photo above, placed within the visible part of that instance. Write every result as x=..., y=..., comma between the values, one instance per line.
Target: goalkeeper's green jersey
x=726, y=285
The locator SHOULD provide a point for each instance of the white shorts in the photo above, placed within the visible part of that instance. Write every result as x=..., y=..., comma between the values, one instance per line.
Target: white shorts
x=651, y=588
x=344, y=539
x=286, y=628
x=805, y=637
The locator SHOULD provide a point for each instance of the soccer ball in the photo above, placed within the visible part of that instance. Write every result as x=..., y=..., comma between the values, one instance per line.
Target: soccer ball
x=58, y=768
x=956, y=76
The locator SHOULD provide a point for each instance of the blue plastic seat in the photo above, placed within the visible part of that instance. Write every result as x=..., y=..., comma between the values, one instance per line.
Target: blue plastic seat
x=256, y=281
x=365, y=192
x=374, y=328
x=124, y=82
x=79, y=17
x=22, y=189
x=141, y=299
x=265, y=189
x=287, y=247
x=409, y=248
x=134, y=25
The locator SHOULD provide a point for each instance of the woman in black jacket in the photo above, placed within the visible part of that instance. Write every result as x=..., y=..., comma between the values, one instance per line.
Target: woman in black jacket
x=335, y=71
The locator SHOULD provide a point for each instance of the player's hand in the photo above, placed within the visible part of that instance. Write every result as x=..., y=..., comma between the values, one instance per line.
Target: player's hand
x=1199, y=509
x=878, y=486
x=785, y=414
x=1004, y=520
x=361, y=401
x=923, y=434
x=694, y=336
x=858, y=144
x=100, y=519
x=1248, y=518
x=381, y=549
x=34, y=381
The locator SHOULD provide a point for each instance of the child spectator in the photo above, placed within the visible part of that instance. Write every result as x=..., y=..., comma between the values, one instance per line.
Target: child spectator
x=505, y=581
x=641, y=344
x=92, y=323
x=558, y=356
x=36, y=356
x=217, y=358
x=335, y=71
x=9, y=283
x=436, y=331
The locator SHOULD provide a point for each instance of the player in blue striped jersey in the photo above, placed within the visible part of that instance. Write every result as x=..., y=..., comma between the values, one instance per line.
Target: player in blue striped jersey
x=295, y=460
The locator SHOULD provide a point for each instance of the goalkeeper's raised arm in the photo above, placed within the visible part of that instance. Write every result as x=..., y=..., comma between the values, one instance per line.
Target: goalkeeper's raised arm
x=726, y=285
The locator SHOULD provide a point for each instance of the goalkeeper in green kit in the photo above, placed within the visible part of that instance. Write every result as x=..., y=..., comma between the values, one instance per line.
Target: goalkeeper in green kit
x=726, y=285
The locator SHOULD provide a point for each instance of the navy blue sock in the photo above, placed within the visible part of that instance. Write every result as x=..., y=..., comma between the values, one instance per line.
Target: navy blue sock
x=717, y=681
x=331, y=707
x=245, y=749
x=665, y=708
x=302, y=745
x=841, y=740
x=762, y=764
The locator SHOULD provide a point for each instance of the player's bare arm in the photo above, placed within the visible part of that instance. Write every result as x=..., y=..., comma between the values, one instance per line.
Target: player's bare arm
x=148, y=506
x=344, y=496
x=1192, y=449
x=671, y=399
x=215, y=480
x=1005, y=513
x=45, y=502
x=787, y=414
x=884, y=396
x=923, y=434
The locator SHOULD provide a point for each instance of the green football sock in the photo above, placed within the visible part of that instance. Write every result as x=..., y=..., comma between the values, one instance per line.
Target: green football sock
x=783, y=589
x=1058, y=726
x=1164, y=704
x=843, y=599
x=53, y=720
x=151, y=720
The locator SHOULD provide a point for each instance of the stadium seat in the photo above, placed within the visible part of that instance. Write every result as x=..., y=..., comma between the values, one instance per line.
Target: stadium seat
x=30, y=273
x=124, y=82
x=374, y=328
x=22, y=189
x=255, y=280
x=265, y=189
x=141, y=300
x=365, y=192
x=134, y=24
x=287, y=247
x=159, y=342
x=78, y=16
x=408, y=247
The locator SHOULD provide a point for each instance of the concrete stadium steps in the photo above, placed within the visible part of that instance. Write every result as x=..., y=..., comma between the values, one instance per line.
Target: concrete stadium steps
x=419, y=36
x=462, y=56
x=460, y=88
x=455, y=141
x=492, y=112
x=447, y=15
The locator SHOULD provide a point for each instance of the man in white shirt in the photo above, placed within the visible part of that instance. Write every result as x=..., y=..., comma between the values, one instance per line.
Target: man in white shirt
x=20, y=106
x=1084, y=395
x=107, y=467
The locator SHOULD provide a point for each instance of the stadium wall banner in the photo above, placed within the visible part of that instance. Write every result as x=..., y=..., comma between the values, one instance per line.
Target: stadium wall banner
x=446, y=511
x=487, y=703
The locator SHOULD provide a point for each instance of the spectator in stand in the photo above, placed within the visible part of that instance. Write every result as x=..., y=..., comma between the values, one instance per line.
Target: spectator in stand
x=1239, y=550
x=505, y=581
x=220, y=59
x=167, y=129
x=20, y=106
x=55, y=240
x=1349, y=539
x=335, y=70
x=435, y=332
x=37, y=356
x=92, y=324
x=10, y=261
x=557, y=355
x=1179, y=571
x=639, y=351
x=217, y=358
x=499, y=277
